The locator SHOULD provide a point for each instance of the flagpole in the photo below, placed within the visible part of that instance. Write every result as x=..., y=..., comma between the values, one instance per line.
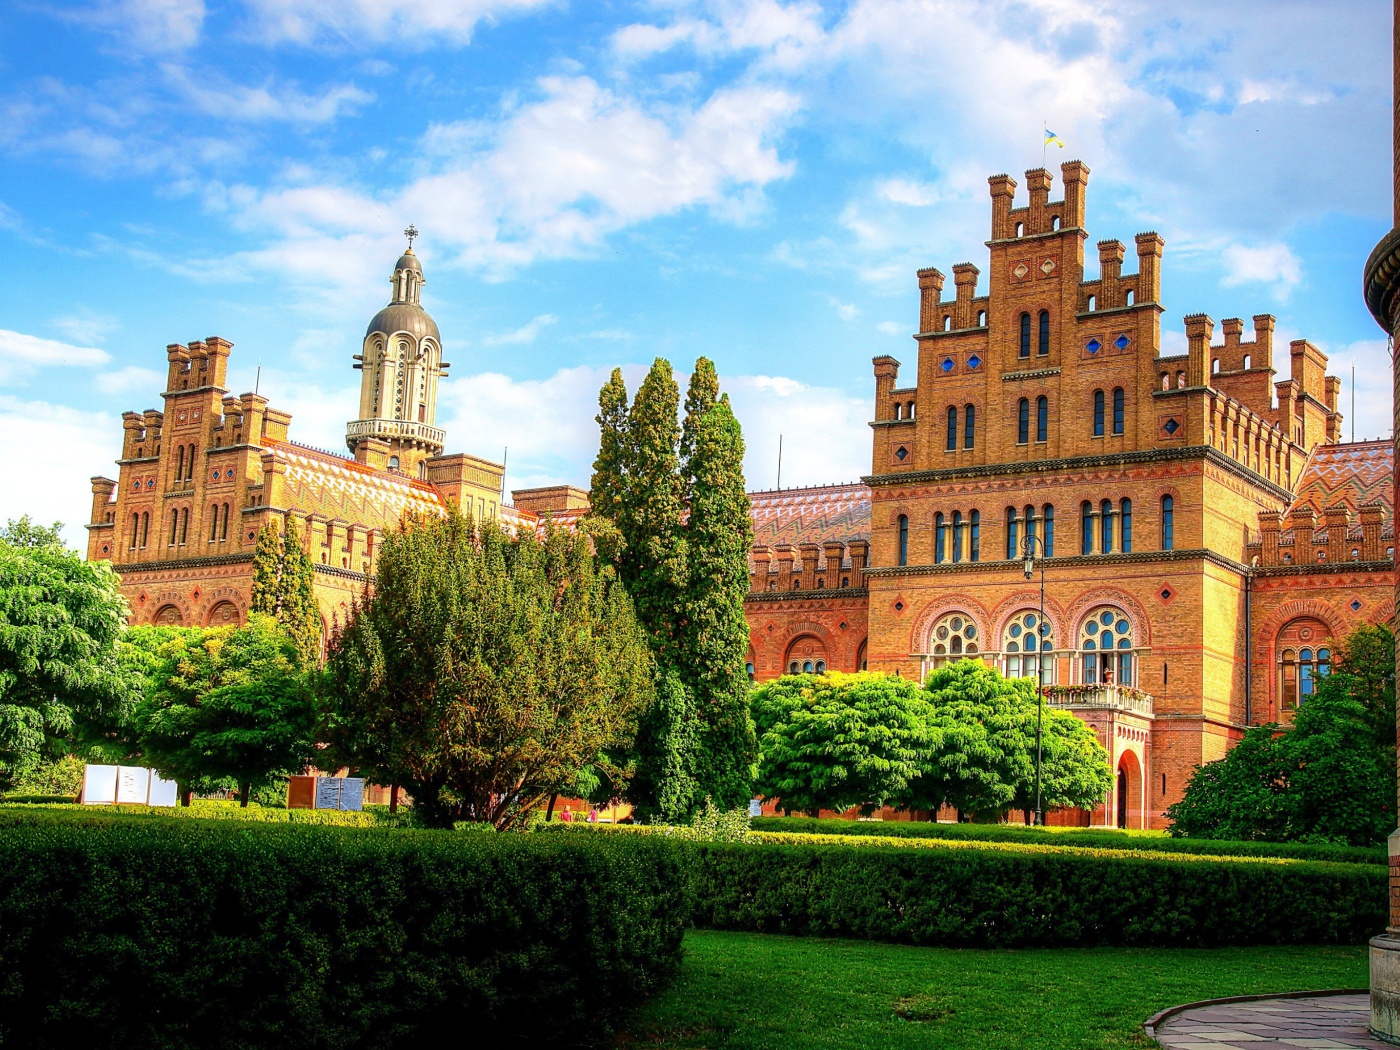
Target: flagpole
x=1044, y=141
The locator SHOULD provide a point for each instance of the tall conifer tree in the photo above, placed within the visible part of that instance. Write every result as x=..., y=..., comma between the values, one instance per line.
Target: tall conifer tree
x=283, y=586
x=715, y=635
x=700, y=397
x=607, y=492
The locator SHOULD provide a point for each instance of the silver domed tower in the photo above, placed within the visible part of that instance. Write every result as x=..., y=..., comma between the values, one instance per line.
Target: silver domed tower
x=401, y=363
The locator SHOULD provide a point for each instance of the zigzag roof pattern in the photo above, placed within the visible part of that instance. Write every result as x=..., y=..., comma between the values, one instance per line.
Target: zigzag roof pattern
x=818, y=514
x=1352, y=474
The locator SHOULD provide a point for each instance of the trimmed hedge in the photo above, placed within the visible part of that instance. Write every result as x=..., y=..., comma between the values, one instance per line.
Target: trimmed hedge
x=1019, y=898
x=1097, y=838
x=369, y=817
x=169, y=933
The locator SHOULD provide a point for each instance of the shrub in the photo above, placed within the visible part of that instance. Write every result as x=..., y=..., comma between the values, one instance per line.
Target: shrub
x=163, y=932
x=1097, y=838
x=1020, y=898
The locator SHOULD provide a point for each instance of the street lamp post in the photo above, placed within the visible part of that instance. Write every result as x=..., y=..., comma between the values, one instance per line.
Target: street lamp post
x=1029, y=560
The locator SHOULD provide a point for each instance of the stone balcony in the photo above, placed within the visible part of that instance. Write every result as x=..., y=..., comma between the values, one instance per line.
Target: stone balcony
x=1112, y=697
x=400, y=429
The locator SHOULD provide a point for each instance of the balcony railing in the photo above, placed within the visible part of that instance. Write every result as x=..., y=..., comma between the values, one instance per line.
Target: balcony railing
x=396, y=428
x=1115, y=697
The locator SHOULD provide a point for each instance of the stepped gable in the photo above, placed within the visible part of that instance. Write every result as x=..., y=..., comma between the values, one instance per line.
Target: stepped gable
x=1353, y=474
x=326, y=482
x=819, y=514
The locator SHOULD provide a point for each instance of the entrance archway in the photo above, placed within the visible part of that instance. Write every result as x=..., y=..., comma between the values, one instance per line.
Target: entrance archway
x=168, y=616
x=1128, y=792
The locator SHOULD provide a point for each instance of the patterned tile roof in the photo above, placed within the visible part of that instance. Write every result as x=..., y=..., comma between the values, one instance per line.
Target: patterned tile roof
x=1353, y=474
x=333, y=484
x=820, y=514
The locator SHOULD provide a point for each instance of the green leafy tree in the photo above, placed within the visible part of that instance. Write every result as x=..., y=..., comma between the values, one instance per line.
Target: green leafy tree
x=60, y=621
x=664, y=782
x=229, y=702
x=983, y=762
x=1328, y=777
x=714, y=632
x=836, y=740
x=608, y=491
x=284, y=586
x=701, y=395
x=486, y=671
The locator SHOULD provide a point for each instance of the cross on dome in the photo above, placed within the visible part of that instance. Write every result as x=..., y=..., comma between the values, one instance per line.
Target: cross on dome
x=411, y=233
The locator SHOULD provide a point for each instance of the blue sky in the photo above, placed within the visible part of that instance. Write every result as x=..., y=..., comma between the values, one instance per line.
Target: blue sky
x=600, y=183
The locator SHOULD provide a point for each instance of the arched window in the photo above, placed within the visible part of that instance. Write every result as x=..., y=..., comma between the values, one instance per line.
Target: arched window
x=223, y=530
x=1025, y=335
x=213, y=523
x=1023, y=422
x=1042, y=418
x=184, y=525
x=898, y=410
x=1118, y=410
x=1125, y=526
x=1106, y=648
x=1086, y=528
x=1028, y=517
x=1106, y=527
x=180, y=463
x=1043, y=347
x=806, y=655
x=947, y=322
x=1215, y=366
x=1018, y=646
x=954, y=637
x=1168, y=523
x=903, y=539
x=974, y=536
x=1091, y=304
x=909, y=410
x=957, y=536
x=1305, y=655
x=174, y=525
x=1166, y=381
x=145, y=527
x=1181, y=379
x=981, y=318
x=1013, y=543
x=393, y=462
x=952, y=442
x=969, y=424
x=135, y=529
x=1047, y=517
x=1247, y=364
x=1098, y=413
x=940, y=539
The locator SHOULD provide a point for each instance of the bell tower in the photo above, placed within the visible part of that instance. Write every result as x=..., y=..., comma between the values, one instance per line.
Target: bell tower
x=400, y=364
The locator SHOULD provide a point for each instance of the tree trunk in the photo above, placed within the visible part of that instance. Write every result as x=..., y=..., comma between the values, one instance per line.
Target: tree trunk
x=549, y=813
x=393, y=798
x=185, y=795
x=246, y=790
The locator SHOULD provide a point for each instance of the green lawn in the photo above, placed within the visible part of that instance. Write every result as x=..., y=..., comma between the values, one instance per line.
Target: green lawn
x=760, y=992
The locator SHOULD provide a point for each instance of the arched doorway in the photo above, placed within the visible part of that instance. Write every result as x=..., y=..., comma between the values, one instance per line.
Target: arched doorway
x=225, y=614
x=1128, y=792
x=168, y=616
x=1122, y=797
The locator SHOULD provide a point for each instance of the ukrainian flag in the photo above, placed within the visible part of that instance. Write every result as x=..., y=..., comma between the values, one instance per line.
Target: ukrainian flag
x=1052, y=139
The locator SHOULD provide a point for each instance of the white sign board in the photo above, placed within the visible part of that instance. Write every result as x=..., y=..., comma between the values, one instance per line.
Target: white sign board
x=327, y=793
x=163, y=792
x=340, y=793
x=133, y=785
x=99, y=785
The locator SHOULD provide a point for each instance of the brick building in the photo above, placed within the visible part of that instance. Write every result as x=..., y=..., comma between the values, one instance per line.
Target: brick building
x=1205, y=537
x=199, y=478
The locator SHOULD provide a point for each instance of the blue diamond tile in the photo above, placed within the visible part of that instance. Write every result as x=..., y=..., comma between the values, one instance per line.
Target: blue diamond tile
x=1171, y=426
x=973, y=361
x=1093, y=346
x=947, y=364
x=1122, y=342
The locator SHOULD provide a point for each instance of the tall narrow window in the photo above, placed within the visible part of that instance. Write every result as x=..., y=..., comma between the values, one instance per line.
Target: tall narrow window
x=1086, y=528
x=974, y=537
x=174, y=525
x=1013, y=543
x=145, y=527
x=213, y=523
x=1168, y=523
x=1047, y=528
x=1025, y=335
x=135, y=529
x=1023, y=422
x=903, y=540
x=184, y=525
x=223, y=531
x=189, y=466
x=957, y=536
x=1043, y=349
x=1125, y=526
x=1118, y=410
x=969, y=425
x=1098, y=413
x=940, y=539
x=1028, y=516
x=952, y=442
x=1106, y=527
x=1042, y=418
x=180, y=464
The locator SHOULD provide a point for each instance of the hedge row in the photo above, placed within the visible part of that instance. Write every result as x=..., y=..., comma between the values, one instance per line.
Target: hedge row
x=161, y=932
x=1099, y=838
x=1017, y=898
x=370, y=817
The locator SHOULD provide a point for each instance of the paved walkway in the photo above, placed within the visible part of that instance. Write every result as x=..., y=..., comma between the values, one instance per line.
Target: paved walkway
x=1330, y=1022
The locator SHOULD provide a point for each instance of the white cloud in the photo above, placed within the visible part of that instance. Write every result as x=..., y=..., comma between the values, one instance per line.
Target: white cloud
x=361, y=23
x=129, y=380
x=148, y=25
x=21, y=355
x=524, y=335
x=911, y=192
x=1372, y=416
x=845, y=311
x=1273, y=264
x=785, y=33
x=824, y=430
x=64, y=447
x=554, y=178
x=86, y=326
x=217, y=97
x=892, y=327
